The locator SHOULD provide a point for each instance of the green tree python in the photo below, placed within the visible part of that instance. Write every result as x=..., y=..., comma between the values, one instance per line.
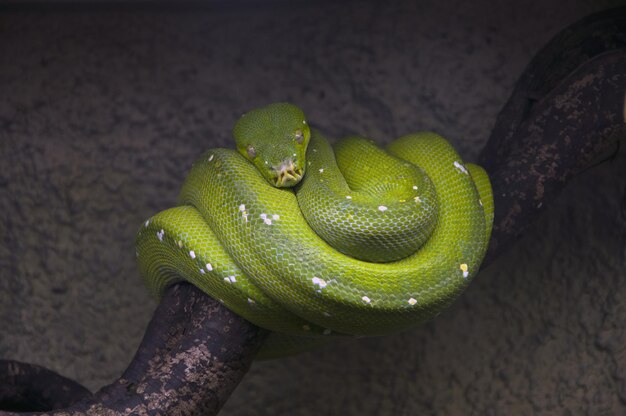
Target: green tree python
x=310, y=241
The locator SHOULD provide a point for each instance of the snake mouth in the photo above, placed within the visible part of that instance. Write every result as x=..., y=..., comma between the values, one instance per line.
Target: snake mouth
x=287, y=174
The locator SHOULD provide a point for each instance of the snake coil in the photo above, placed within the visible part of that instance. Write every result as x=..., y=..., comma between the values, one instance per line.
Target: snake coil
x=310, y=240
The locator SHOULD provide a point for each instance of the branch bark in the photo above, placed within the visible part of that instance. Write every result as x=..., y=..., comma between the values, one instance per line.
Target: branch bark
x=566, y=112
x=565, y=133
x=193, y=355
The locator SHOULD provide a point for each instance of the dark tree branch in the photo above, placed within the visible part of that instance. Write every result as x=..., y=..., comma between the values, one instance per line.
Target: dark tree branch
x=572, y=47
x=565, y=133
x=193, y=355
x=29, y=387
x=566, y=111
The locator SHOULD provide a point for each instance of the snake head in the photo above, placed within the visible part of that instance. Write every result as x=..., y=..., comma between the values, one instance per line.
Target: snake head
x=274, y=138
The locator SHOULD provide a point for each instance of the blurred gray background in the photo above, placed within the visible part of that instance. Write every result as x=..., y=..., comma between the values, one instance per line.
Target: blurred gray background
x=103, y=111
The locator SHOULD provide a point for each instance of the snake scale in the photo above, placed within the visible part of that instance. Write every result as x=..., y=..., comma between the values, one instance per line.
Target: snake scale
x=310, y=241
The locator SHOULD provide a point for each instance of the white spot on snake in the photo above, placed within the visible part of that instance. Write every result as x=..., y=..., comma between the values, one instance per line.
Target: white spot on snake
x=192, y=254
x=348, y=197
x=412, y=301
x=417, y=199
x=480, y=201
x=202, y=271
x=306, y=327
x=464, y=269
x=275, y=217
x=146, y=223
x=539, y=205
x=180, y=244
x=326, y=314
x=327, y=331
x=320, y=282
x=303, y=121
x=263, y=216
x=322, y=170
x=267, y=221
x=211, y=158
x=244, y=213
x=460, y=168
x=415, y=187
x=251, y=301
x=315, y=150
x=160, y=234
x=366, y=299
x=230, y=279
x=382, y=208
x=209, y=267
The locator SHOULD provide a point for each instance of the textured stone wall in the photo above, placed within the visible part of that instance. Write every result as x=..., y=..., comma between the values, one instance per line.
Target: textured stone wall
x=102, y=114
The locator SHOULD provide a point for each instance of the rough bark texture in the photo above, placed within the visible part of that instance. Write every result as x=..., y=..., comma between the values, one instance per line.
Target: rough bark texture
x=564, y=115
x=193, y=355
x=564, y=133
x=195, y=352
x=560, y=58
x=544, y=338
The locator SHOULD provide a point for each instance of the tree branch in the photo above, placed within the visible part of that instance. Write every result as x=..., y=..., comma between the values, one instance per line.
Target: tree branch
x=29, y=387
x=565, y=133
x=193, y=355
x=566, y=112
x=575, y=45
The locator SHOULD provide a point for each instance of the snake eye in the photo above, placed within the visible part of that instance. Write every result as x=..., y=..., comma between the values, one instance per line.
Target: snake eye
x=299, y=136
x=251, y=151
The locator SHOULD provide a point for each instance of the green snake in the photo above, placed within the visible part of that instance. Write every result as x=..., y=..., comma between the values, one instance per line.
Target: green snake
x=310, y=241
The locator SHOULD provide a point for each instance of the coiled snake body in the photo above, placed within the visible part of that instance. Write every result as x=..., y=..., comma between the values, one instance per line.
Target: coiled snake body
x=310, y=241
